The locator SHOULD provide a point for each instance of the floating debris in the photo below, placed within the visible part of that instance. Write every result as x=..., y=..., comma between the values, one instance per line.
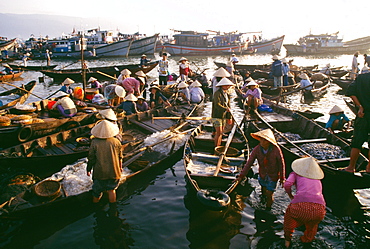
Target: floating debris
x=322, y=151
x=288, y=135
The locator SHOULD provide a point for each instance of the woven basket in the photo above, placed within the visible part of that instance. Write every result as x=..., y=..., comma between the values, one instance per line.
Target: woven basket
x=231, y=152
x=47, y=188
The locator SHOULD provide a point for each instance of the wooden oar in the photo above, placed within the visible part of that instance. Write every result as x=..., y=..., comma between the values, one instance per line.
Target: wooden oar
x=107, y=75
x=190, y=118
x=23, y=89
x=52, y=94
x=222, y=156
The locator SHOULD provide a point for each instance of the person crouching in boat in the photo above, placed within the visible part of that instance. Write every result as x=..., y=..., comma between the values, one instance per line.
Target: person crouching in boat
x=114, y=93
x=221, y=112
x=307, y=206
x=129, y=105
x=105, y=159
x=94, y=83
x=271, y=164
x=141, y=104
x=196, y=92
x=253, y=95
x=65, y=106
x=337, y=119
x=183, y=96
x=66, y=86
x=157, y=99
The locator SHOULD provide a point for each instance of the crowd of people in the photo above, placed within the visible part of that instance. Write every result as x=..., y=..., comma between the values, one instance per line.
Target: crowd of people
x=128, y=95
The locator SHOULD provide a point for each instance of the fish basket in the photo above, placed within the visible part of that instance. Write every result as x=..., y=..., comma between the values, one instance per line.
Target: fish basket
x=231, y=152
x=47, y=188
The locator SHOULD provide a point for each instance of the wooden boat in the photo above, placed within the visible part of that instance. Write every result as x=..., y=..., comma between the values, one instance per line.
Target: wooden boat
x=198, y=43
x=100, y=73
x=32, y=67
x=7, y=77
x=245, y=67
x=22, y=94
x=6, y=45
x=327, y=44
x=137, y=160
x=267, y=46
x=343, y=83
x=44, y=122
x=128, y=47
x=267, y=87
x=319, y=89
x=331, y=151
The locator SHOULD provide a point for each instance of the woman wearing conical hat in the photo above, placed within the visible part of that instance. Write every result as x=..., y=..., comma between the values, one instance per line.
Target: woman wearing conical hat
x=184, y=69
x=129, y=105
x=130, y=84
x=196, y=92
x=307, y=206
x=217, y=77
x=221, y=109
x=125, y=73
x=253, y=95
x=105, y=159
x=270, y=163
x=337, y=119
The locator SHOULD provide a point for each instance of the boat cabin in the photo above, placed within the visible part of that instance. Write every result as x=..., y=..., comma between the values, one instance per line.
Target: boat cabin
x=323, y=40
x=191, y=38
x=67, y=45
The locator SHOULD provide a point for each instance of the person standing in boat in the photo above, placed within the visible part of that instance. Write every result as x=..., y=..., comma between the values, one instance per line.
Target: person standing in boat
x=221, y=112
x=234, y=59
x=359, y=91
x=271, y=164
x=184, y=69
x=196, y=92
x=277, y=71
x=141, y=77
x=125, y=73
x=253, y=95
x=25, y=58
x=337, y=119
x=307, y=206
x=131, y=85
x=163, y=70
x=286, y=69
x=47, y=57
x=105, y=160
x=354, y=67
x=217, y=77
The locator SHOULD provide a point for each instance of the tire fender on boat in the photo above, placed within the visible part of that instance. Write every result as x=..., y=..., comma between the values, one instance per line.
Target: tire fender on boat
x=24, y=133
x=214, y=199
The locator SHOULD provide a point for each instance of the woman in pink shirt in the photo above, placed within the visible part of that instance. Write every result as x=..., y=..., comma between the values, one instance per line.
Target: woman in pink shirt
x=253, y=95
x=308, y=205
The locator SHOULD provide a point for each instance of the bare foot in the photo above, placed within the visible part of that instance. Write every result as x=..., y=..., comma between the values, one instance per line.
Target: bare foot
x=346, y=169
x=287, y=244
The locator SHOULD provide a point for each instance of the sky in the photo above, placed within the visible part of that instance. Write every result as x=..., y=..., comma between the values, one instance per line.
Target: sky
x=294, y=18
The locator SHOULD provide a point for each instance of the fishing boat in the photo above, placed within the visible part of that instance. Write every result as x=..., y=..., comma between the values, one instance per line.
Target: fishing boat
x=267, y=46
x=212, y=179
x=299, y=136
x=141, y=155
x=6, y=45
x=327, y=44
x=20, y=95
x=245, y=67
x=197, y=43
x=32, y=67
x=8, y=77
x=100, y=73
x=128, y=47
x=36, y=119
x=319, y=89
x=343, y=83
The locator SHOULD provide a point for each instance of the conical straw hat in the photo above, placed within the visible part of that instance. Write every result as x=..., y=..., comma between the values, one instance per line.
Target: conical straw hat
x=249, y=79
x=68, y=81
x=303, y=76
x=108, y=114
x=105, y=129
x=91, y=79
x=266, y=134
x=182, y=85
x=225, y=82
x=140, y=74
x=183, y=59
x=221, y=72
x=335, y=109
x=252, y=83
x=120, y=91
x=126, y=72
x=307, y=167
x=130, y=97
x=195, y=84
x=275, y=57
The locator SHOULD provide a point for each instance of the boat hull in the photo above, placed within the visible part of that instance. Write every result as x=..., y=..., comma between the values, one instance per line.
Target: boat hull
x=272, y=46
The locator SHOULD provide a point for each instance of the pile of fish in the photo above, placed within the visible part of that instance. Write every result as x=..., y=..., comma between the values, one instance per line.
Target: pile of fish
x=288, y=135
x=165, y=147
x=322, y=151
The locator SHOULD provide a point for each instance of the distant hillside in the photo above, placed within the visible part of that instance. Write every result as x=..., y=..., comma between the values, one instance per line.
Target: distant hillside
x=22, y=26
